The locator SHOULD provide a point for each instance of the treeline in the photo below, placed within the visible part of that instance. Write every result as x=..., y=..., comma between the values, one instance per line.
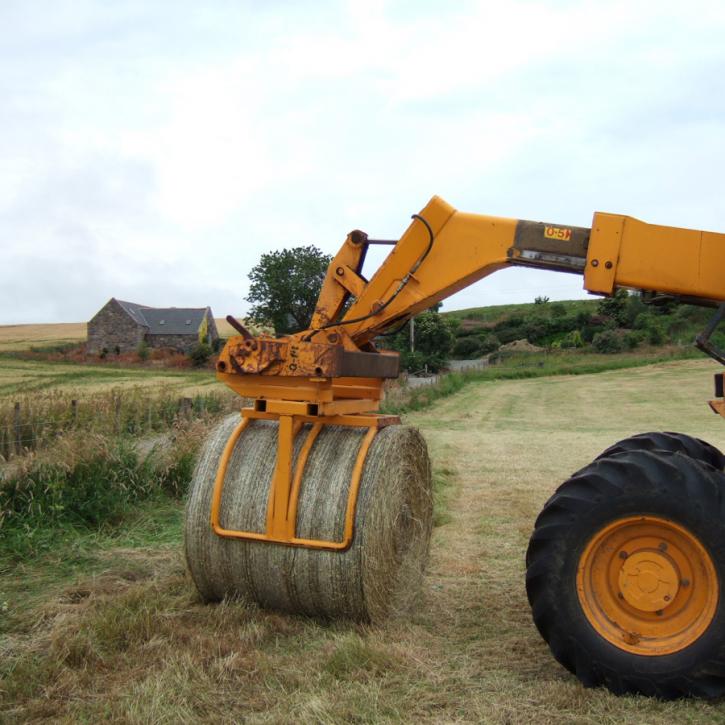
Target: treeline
x=622, y=323
x=614, y=324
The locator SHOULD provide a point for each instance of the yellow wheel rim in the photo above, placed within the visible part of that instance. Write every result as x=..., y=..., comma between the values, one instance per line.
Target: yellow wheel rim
x=647, y=585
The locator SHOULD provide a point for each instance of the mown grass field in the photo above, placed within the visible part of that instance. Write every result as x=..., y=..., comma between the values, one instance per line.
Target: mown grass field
x=108, y=626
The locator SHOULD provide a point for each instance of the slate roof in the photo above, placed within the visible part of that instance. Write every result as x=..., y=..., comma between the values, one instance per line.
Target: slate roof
x=134, y=311
x=166, y=320
x=173, y=320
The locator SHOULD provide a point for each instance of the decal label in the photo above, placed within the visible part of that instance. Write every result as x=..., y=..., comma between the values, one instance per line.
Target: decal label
x=557, y=233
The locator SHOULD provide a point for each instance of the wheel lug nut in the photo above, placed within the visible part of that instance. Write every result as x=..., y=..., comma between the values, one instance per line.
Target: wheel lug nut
x=666, y=597
x=620, y=595
x=659, y=612
x=685, y=582
x=663, y=546
x=623, y=554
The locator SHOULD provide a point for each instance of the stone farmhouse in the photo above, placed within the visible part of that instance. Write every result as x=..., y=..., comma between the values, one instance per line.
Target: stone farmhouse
x=122, y=326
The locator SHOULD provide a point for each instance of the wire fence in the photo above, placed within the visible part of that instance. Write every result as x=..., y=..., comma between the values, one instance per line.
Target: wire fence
x=31, y=423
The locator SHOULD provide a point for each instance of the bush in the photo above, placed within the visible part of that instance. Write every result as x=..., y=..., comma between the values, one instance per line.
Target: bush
x=608, y=342
x=633, y=338
x=489, y=343
x=635, y=307
x=572, y=339
x=654, y=327
x=200, y=354
x=143, y=350
x=90, y=481
x=467, y=347
x=656, y=332
x=413, y=362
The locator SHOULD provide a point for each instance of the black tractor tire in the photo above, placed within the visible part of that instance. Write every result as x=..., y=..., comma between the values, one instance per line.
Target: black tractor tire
x=671, y=487
x=672, y=442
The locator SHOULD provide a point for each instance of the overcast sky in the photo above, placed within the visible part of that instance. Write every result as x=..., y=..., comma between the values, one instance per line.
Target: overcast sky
x=153, y=150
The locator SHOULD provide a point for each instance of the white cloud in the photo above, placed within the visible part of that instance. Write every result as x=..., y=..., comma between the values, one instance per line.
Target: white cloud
x=159, y=149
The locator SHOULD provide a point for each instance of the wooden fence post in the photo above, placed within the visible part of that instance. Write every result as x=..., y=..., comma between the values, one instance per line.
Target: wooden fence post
x=185, y=407
x=117, y=414
x=16, y=425
x=73, y=413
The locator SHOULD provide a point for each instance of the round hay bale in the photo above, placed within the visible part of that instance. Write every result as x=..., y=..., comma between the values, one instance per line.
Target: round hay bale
x=380, y=574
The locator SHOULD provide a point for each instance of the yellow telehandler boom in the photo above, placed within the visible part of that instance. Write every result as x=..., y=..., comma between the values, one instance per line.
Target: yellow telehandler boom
x=626, y=565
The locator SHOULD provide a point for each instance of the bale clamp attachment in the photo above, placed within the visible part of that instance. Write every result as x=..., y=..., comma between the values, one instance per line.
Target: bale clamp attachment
x=286, y=484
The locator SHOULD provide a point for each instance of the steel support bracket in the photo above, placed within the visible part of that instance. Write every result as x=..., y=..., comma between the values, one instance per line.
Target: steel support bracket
x=286, y=483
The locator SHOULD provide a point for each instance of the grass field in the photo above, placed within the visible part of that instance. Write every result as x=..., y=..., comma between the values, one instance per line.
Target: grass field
x=109, y=626
x=22, y=337
x=21, y=377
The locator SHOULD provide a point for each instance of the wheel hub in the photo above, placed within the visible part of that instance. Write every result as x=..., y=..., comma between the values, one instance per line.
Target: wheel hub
x=648, y=581
x=647, y=585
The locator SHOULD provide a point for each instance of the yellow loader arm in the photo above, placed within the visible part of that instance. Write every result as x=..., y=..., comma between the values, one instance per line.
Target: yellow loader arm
x=333, y=374
x=442, y=252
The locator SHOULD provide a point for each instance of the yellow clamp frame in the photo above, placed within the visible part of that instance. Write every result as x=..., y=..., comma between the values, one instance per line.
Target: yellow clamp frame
x=285, y=489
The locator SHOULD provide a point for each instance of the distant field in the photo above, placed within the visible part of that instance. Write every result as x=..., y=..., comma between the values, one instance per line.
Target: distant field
x=23, y=337
x=22, y=377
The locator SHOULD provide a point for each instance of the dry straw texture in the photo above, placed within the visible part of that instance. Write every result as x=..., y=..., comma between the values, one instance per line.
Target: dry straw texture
x=377, y=576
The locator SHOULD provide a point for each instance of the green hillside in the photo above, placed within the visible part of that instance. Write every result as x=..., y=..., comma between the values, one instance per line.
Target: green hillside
x=618, y=324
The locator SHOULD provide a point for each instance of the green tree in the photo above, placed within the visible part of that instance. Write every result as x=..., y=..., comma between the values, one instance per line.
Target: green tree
x=434, y=340
x=608, y=341
x=285, y=286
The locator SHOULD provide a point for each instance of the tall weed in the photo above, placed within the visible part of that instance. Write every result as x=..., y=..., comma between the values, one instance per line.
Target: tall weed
x=89, y=481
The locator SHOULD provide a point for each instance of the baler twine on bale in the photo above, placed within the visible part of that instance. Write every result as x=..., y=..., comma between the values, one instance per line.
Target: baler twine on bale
x=380, y=574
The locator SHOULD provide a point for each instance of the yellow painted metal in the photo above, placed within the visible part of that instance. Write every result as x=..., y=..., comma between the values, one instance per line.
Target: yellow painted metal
x=626, y=252
x=350, y=280
x=718, y=406
x=313, y=390
x=467, y=247
x=355, y=420
x=603, y=253
x=442, y=251
x=216, y=498
x=279, y=498
x=278, y=387
x=286, y=485
x=422, y=270
x=647, y=585
x=648, y=580
x=337, y=407
x=333, y=293
x=668, y=259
